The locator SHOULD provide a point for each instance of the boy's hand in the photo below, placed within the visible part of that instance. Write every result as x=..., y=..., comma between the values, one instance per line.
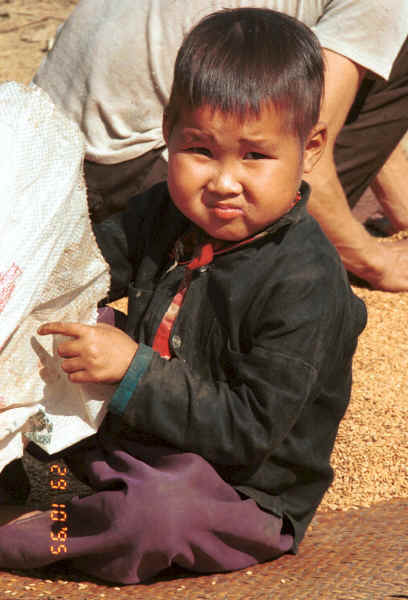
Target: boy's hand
x=97, y=354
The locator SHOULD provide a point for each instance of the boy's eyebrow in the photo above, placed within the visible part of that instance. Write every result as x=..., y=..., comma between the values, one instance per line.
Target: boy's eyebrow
x=260, y=140
x=196, y=134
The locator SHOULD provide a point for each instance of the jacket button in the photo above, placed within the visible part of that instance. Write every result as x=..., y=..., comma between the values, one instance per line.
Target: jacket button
x=176, y=341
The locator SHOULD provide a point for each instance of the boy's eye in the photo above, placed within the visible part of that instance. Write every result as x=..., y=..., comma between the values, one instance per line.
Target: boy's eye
x=199, y=150
x=255, y=156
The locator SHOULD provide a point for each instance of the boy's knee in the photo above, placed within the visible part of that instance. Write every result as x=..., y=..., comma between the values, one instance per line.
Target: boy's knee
x=159, y=511
x=165, y=503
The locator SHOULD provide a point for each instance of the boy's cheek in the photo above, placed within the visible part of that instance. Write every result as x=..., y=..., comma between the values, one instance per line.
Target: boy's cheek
x=181, y=176
x=179, y=166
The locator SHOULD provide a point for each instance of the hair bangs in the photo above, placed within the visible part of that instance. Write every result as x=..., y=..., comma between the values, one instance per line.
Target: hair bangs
x=239, y=60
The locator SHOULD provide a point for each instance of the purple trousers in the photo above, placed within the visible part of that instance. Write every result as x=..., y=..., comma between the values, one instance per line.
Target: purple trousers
x=152, y=507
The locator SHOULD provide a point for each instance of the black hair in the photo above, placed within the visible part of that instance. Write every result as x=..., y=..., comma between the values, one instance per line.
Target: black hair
x=236, y=60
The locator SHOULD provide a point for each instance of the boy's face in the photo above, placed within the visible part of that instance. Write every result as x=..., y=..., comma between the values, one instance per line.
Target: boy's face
x=234, y=178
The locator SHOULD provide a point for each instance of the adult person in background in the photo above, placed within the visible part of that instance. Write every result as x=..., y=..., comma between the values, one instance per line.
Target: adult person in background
x=111, y=69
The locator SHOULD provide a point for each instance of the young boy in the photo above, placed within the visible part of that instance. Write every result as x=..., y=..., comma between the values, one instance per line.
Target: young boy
x=234, y=367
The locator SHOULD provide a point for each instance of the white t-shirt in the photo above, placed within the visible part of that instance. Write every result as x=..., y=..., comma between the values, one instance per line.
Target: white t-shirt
x=112, y=65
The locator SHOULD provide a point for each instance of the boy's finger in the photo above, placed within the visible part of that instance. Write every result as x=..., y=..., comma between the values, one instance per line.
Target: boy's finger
x=70, y=329
x=69, y=349
x=81, y=377
x=72, y=365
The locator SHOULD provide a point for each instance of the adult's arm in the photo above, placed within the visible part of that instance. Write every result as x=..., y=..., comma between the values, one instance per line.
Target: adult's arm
x=390, y=187
x=384, y=266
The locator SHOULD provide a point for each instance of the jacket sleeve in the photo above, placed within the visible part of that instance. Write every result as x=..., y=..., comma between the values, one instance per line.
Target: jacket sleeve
x=113, y=242
x=123, y=237
x=302, y=335
x=231, y=426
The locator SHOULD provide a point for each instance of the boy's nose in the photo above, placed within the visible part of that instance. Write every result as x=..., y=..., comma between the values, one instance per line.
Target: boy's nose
x=224, y=182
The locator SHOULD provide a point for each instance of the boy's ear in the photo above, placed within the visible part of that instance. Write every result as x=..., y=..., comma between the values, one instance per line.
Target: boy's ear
x=314, y=146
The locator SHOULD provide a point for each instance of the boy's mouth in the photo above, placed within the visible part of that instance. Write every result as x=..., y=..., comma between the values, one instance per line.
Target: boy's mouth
x=226, y=211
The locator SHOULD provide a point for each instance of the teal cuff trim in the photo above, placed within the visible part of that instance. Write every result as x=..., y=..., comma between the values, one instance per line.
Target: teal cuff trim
x=132, y=376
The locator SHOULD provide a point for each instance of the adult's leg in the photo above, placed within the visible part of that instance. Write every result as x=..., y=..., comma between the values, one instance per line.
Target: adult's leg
x=110, y=186
x=154, y=507
x=376, y=124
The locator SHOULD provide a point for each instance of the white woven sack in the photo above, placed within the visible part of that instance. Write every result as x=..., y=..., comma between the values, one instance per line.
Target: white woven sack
x=50, y=269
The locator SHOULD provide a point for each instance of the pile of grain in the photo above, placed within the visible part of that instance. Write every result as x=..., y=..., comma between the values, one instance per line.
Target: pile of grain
x=371, y=453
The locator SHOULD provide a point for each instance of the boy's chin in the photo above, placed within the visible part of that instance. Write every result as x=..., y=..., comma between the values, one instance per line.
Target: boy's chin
x=229, y=237
x=224, y=234
x=222, y=240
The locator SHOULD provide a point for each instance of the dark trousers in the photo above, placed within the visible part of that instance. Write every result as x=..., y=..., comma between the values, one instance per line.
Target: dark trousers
x=375, y=125
x=152, y=507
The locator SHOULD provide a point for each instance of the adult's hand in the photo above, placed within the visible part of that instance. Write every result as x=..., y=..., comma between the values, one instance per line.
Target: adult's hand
x=94, y=353
x=392, y=272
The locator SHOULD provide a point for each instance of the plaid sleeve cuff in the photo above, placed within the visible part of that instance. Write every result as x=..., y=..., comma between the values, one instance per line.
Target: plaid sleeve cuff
x=132, y=376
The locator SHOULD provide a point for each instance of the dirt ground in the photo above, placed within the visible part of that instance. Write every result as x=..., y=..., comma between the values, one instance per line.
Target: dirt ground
x=371, y=454
x=26, y=29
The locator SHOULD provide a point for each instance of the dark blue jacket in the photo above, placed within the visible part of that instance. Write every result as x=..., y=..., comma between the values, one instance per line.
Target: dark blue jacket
x=263, y=346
